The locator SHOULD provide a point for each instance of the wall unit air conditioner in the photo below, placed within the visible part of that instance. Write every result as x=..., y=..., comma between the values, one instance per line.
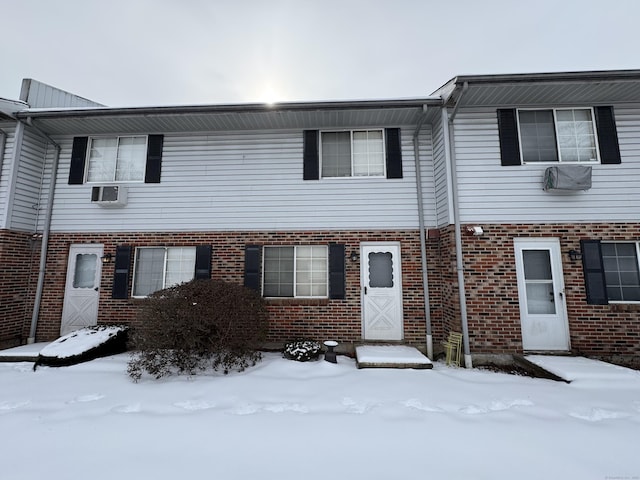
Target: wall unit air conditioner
x=567, y=177
x=109, y=195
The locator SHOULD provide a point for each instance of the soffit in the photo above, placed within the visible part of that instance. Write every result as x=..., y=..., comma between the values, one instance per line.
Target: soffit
x=167, y=120
x=550, y=93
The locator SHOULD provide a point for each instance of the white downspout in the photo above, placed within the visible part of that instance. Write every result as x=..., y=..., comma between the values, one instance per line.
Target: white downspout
x=423, y=243
x=45, y=236
x=450, y=152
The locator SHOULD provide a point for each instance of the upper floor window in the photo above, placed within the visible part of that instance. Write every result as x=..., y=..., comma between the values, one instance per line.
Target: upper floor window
x=573, y=135
x=156, y=268
x=558, y=135
x=300, y=271
x=352, y=153
x=132, y=158
x=356, y=153
x=117, y=159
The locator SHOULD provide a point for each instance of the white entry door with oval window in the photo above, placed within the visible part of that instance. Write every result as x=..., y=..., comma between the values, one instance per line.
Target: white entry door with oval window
x=82, y=290
x=381, y=277
x=543, y=311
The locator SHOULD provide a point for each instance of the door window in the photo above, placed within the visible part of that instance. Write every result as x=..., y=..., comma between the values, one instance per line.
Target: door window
x=84, y=275
x=380, y=270
x=539, y=282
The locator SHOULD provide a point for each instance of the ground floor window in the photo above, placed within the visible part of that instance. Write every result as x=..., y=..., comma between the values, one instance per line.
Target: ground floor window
x=156, y=268
x=299, y=271
x=621, y=270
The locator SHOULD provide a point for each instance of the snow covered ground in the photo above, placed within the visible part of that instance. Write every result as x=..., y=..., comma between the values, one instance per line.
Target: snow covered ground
x=284, y=419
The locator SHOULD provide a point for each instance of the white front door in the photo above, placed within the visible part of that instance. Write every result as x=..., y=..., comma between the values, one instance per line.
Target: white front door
x=381, y=280
x=82, y=290
x=543, y=312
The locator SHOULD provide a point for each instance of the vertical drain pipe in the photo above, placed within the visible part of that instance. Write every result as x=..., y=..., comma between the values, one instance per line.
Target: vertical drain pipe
x=45, y=236
x=447, y=122
x=423, y=242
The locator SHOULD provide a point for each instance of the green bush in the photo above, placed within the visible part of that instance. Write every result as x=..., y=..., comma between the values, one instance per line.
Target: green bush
x=302, y=350
x=198, y=325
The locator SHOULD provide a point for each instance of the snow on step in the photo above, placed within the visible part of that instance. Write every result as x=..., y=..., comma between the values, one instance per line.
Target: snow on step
x=391, y=356
x=580, y=368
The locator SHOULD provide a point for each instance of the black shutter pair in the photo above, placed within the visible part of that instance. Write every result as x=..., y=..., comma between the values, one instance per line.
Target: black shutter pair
x=605, y=126
x=253, y=263
x=120, y=288
x=311, y=154
x=79, y=156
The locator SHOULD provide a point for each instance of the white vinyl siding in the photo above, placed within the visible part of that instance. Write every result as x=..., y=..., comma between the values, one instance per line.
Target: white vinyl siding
x=491, y=193
x=247, y=181
x=157, y=268
x=5, y=170
x=27, y=183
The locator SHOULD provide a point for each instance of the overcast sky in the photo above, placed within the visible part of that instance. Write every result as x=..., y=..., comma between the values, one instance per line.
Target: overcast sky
x=166, y=52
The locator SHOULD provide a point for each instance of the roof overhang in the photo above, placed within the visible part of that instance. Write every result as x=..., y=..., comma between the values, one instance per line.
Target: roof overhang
x=539, y=89
x=205, y=118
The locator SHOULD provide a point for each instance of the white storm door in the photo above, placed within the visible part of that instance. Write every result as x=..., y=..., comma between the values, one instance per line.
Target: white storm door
x=543, y=312
x=381, y=278
x=82, y=290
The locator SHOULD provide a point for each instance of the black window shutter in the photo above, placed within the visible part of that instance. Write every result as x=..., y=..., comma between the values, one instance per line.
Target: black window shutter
x=154, y=159
x=593, y=272
x=508, y=133
x=607, y=136
x=336, y=271
x=121, y=276
x=311, y=158
x=394, y=153
x=252, y=255
x=78, y=157
x=203, y=262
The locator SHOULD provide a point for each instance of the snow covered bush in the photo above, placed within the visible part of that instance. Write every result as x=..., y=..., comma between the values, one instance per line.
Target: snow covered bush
x=198, y=325
x=302, y=350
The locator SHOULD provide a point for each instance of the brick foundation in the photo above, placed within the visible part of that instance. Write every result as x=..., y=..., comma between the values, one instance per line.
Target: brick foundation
x=492, y=292
x=490, y=281
x=19, y=257
x=290, y=318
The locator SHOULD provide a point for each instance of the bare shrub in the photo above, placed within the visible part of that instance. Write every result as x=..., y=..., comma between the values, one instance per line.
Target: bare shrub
x=197, y=325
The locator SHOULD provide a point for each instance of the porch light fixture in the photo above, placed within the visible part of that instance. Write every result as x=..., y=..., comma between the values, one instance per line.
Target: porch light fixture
x=354, y=256
x=106, y=258
x=575, y=255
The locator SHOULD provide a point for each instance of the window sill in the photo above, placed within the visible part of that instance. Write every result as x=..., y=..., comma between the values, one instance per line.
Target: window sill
x=625, y=307
x=297, y=301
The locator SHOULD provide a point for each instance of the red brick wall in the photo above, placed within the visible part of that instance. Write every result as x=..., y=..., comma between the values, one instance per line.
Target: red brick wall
x=320, y=319
x=492, y=293
x=19, y=255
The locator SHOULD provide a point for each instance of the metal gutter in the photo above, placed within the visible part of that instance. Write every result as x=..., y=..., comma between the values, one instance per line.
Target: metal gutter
x=423, y=242
x=447, y=122
x=229, y=108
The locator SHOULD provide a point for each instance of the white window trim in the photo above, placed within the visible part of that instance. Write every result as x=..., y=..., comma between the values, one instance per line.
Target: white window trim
x=295, y=271
x=164, y=266
x=555, y=123
x=637, y=245
x=351, y=131
x=113, y=181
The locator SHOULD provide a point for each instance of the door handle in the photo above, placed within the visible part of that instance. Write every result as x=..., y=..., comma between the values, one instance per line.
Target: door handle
x=97, y=288
x=365, y=290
